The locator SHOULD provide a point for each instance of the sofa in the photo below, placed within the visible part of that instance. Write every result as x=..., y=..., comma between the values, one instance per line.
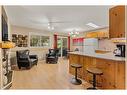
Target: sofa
x=26, y=60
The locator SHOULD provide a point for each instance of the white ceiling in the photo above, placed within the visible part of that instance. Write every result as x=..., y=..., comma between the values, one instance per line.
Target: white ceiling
x=63, y=18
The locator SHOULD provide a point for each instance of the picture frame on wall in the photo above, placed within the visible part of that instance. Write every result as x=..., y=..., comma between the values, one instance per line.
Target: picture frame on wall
x=20, y=40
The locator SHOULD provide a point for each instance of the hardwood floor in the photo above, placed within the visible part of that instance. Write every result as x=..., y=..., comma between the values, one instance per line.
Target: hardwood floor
x=46, y=76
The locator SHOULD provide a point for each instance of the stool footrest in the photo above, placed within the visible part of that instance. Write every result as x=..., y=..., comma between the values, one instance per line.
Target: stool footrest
x=76, y=81
x=98, y=84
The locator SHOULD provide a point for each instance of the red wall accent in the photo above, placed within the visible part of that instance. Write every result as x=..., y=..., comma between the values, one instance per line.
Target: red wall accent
x=55, y=41
x=77, y=41
x=68, y=42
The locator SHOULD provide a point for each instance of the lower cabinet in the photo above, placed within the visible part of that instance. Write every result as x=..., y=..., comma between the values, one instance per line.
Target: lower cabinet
x=108, y=77
x=75, y=59
x=113, y=71
x=120, y=75
x=88, y=62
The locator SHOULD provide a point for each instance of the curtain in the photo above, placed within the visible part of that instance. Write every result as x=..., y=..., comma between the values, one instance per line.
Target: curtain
x=68, y=42
x=55, y=41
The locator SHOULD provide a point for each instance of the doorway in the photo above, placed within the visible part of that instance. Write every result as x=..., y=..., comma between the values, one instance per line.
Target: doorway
x=62, y=46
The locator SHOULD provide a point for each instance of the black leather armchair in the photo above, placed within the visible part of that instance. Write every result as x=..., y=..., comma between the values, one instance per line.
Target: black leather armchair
x=26, y=60
x=52, y=56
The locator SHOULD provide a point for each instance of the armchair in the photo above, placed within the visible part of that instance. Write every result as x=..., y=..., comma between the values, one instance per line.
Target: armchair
x=52, y=56
x=26, y=60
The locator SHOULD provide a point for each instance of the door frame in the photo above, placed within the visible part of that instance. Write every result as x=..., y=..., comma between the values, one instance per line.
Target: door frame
x=61, y=37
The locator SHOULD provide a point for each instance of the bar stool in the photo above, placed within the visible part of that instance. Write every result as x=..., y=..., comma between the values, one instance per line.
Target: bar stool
x=75, y=80
x=94, y=71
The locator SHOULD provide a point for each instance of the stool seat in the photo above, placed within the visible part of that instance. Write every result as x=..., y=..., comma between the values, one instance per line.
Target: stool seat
x=76, y=65
x=94, y=70
x=75, y=80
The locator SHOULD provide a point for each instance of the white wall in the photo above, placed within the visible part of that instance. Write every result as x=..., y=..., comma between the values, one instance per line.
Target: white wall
x=41, y=52
x=106, y=44
x=26, y=31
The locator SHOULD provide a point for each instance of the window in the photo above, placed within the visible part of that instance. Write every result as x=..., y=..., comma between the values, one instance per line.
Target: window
x=39, y=41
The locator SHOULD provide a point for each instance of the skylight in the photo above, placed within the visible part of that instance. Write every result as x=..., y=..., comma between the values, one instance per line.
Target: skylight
x=92, y=25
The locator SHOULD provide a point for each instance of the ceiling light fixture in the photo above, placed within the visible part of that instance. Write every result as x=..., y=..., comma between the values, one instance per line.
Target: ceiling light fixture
x=50, y=27
x=73, y=33
x=92, y=25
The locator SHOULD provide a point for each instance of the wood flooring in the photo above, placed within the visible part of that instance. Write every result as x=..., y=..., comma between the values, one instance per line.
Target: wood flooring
x=46, y=76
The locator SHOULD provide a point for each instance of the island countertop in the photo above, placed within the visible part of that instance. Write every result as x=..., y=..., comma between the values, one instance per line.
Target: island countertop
x=108, y=56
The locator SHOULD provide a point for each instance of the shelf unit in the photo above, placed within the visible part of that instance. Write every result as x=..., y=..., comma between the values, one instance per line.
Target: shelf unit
x=7, y=72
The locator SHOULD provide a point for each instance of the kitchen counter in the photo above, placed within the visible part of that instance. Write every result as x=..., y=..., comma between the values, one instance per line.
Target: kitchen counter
x=113, y=68
x=108, y=56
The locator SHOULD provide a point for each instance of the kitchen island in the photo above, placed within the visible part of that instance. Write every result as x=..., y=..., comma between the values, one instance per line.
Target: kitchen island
x=113, y=68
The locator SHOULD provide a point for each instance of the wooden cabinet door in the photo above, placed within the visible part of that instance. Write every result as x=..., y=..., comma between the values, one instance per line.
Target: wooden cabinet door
x=120, y=75
x=71, y=71
x=117, y=22
x=80, y=70
x=75, y=59
x=91, y=35
x=88, y=62
x=108, y=67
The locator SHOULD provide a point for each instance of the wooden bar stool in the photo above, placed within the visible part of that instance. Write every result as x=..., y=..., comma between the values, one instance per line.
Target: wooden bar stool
x=94, y=71
x=75, y=80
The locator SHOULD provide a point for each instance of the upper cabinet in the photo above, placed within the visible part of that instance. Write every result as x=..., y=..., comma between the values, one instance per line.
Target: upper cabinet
x=91, y=35
x=117, y=22
x=101, y=33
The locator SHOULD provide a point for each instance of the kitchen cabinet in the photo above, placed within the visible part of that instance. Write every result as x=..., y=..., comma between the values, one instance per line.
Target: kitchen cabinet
x=119, y=40
x=113, y=71
x=91, y=35
x=117, y=22
x=103, y=33
x=76, y=59
x=108, y=68
x=120, y=75
x=88, y=62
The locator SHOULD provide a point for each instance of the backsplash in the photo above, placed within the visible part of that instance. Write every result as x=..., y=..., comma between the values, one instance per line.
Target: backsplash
x=106, y=44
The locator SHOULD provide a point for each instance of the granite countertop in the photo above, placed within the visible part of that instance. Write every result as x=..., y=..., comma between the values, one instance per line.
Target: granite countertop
x=109, y=55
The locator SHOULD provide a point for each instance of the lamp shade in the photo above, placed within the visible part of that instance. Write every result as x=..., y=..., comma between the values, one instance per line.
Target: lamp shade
x=7, y=45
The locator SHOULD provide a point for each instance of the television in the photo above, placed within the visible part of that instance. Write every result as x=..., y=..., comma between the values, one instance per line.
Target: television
x=4, y=29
